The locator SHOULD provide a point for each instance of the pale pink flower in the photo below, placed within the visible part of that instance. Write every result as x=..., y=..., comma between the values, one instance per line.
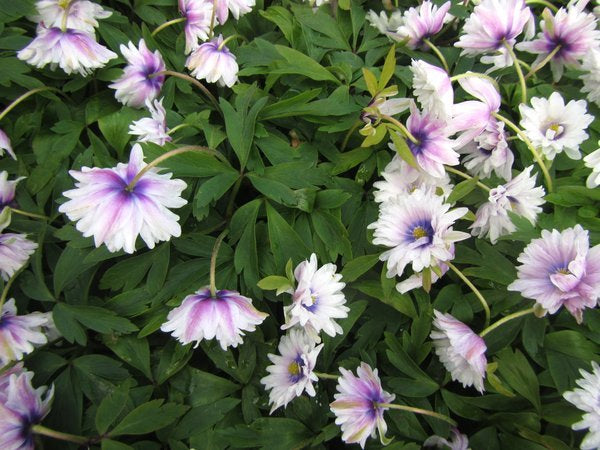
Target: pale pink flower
x=586, y=398
x=214, y=62
x=154, y=128
x=5, y=145
x=433, y=89
x=198, y=14
x=423, y=22
x=19, y=334
x=82, y=15
x=15, y=250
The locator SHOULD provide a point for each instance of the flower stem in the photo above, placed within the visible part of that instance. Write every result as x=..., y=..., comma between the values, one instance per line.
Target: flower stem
x=23, y=97
x=475, y=75
x=467, y=177
x=178, y=127
x=502, y=321
x=44, y=431
x=402, y=128
x=543, y=62
x=326, y=376
x=349, y=133
x=213, y=14
x=195, y=82
x=438, y=53
x=65, y=17
x=169, y=154
x=213, y=262
x=542, y=2
x=7, y=286
x=425, y=412
x=518, y=69
x=533, y=150
x=480, y=297
x=168, y=24
x=29, y=214
x=229, y=38
x=233, y=195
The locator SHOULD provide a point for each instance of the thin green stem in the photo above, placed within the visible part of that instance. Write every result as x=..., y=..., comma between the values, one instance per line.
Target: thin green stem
x=543, y=3
x=44, y=431
x=326, y=376
x=23, y=97
x=349, y=133
x=402, y=128
x=168, y=24
x=65, y=17
x=531, y=147
x=467, y=177
x=518, y=69
x=169, y=154
x=475, y=75
x=178, y=127
x=480, y=297
x=544, y=61
x=438, y=53
x=195, y=82
x=229, y=38
x=29, y=214
x=233, y=195
x=7, y=286
x=425, y=412
x=502, y=321
x=213, y=262
x=211, y=32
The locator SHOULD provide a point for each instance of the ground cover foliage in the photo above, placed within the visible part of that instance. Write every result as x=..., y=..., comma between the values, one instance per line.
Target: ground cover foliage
x=298, y=156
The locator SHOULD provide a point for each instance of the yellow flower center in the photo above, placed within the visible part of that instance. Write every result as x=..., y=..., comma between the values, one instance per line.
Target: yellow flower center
x=294, y=368
x=419, y=232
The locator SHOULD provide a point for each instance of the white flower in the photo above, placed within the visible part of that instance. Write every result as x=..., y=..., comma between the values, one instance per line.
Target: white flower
x=81, y=14
x=489, y=152
x=423, y=22
x=520, y=195
x=399, y=178
x=433, y=89
x=152, y=129
x=554, y=126
x=19, y=333
x=418, y=228
x=587, y=398
x=388, y=26
x=214, y=62
x=591, y=79
x=593, y=162
x=237, y=7
x=317, y=300
x=198, y=15
x=5, y=145
x=416, y=280
x=461, y=351
x=292, y=372
x=15, y=250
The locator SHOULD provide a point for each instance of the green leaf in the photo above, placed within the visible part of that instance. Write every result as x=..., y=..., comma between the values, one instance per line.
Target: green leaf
x=200, y=418
x=133, y=351
x=298, y=63
x=462, y=189
x=285, y=242
x=332, y=343
x=358, y=266
x=389, y=67
x=370, y=81
x=203, y=388
x=515, y=369
x=115, y=127
x=110, y=408
x=375, y=138
x=213, y=189
x=149, y=417
x=275, y=282
x=403, y=150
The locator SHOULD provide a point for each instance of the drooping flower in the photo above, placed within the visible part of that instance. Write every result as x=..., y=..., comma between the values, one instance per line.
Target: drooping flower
x=81, y=15
x=415, y=281
x=292, y=372
x=489, y=152
x=554, y=126
x=458, y=441
x=418, y=228
x=593, y=162
x=103, y=207
x=586, y=398
x=591, y=78
x=198, y=14
x=317, y=300
x=152, y=129
x=5, y=145
x=19, y=334
x=493, y=25
x=142, y=79
x=573, y=29
x=422, y=23
x=214, y=62
x=388, y=26
x=382, y=105
x=560, y=269
x=434, y=147
x=21, y=407
x=71, y=50
x=15, y=250
x=7, y=190
x=399, y=179
x=357, y=406
x=224, y=317
x=461, y=351
x=433, y=89
x=520, y=195
x=237, y=7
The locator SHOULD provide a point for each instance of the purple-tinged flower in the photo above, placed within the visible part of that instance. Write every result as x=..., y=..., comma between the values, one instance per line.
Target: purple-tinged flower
x=573, y=29
x=15, y=369
x=520, y=195
x=415, y=281
x=317, y=300
x=593, y=162
x=554, y=126
x=292, y=372
x=214, y=62
x=142, y=79
x=81, y=14
x=388, y=26
x=21, y=407
x=560, y=269
x=15, y=250
x=492, y=24
x=434, y=148
x=586, y=398
x=152, y=129
x=7, y=190
x=237, y=7
x=224, y=317
x=357, y=405
x=198, y=14
x=591, y=79
x=18, y=334
x=461, y=351
x=399, y=179
x=418, y=228
x=71, y=50
x=104, y=208
x=382, y=105
x=433, y=89
x=423, y=22
x=5, y=145
x=458, y=441
x=489, y=152
x=473, y=117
